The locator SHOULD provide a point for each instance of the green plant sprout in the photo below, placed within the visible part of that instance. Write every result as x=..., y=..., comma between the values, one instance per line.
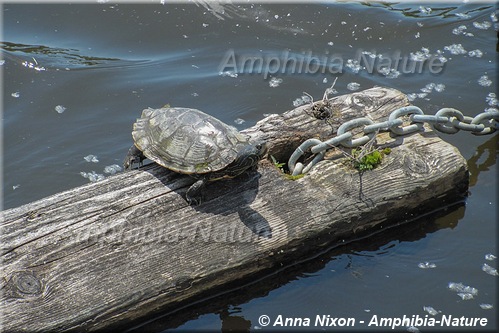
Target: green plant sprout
x=363, y=161
x=280, y=167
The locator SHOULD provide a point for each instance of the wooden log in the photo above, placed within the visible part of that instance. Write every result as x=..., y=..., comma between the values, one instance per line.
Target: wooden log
x=109, y=253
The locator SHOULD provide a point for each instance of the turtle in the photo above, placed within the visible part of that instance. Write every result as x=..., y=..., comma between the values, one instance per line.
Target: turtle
x=191, y=142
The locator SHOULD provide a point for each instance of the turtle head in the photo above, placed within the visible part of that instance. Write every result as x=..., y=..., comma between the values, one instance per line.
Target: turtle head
x=247, y=158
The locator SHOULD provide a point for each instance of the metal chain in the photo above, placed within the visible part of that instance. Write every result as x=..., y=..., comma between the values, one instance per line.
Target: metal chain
x=446, y=120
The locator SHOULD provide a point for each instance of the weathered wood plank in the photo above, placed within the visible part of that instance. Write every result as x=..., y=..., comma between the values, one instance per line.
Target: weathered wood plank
x=111, y=252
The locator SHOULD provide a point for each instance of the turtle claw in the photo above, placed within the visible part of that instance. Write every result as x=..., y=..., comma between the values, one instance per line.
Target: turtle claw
x=134, y=156
x=193, y=195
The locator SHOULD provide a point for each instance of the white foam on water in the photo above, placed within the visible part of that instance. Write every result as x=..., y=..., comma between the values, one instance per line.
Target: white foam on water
x=483, y=25
x=353, y=86
x=228, y=73
x=426, y=265
x=475, y=53
x=489, y=270
x=431, y=310
x=484, y=81
x=60, y=109
x=275, y=82
x=91, y=158
x=92, y=176
x=455, y=49
x=112, y=169
x=490, y=256
x=463, y=291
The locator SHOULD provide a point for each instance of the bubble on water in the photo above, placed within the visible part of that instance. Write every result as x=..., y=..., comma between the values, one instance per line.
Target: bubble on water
x=330, y=43
x=92, y=176
x=459, y=30
x=390, y=73
x=421, y=55
x=275, y=82
x=433, y=86
x=425, y=10
x=112, y=169
x=489, y=270
x=426, y=265
x=422, y=95
x=463, y=15
x=455, y=49
x=2, y=62
x=306, y=99
x=205, y=25
x=297, y=102
x=60, y=109
x=353, y=86
x=195, y=94
x=239, y=121
x=15, y=94
x=302, y=100
x=411, y=97
x=463, y=291
x=15, y=187
x=465, y=296
x=439, y=87
x=475, y=53
x=91, y=158
x=324, y=80
x=441, y=58
x=491, y=99
x=372, y=55
x=460, y=287
x=412, y=329
x=330, y=91
x=490, y=256
x=34, y=65
x=417, y=35
x=484, y=81
x=483, y=26
x=228, y=73
x=486, y=306
x=354, y=65
x=430, y=310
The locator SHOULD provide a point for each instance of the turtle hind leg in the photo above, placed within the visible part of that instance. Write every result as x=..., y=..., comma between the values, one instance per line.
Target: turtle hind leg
x=194, y=193
x=134, y=155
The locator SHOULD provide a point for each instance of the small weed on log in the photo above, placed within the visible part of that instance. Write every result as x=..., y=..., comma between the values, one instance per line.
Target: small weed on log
x=367, y=157
x=281, y=167
x=362, y=161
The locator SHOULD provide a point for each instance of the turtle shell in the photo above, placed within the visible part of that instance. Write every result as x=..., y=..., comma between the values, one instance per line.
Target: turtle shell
x=187, y=140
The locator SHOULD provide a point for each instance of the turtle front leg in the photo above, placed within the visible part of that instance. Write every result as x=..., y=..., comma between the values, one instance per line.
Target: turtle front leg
x=134, y=155
x=194, y=193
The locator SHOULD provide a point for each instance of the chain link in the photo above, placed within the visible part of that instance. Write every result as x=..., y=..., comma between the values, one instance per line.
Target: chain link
x=446, y=120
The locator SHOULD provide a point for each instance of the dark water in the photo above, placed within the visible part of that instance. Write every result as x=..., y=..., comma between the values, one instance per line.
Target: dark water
x=103, y=63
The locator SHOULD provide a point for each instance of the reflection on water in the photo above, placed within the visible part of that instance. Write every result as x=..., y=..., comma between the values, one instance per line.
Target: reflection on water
x=477, y=163
x=56, y=58
x=104, y=63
